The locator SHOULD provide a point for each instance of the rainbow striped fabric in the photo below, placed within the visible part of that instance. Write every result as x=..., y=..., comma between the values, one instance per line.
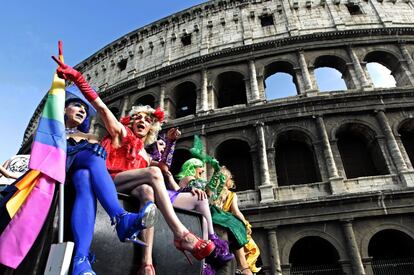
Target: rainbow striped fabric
x=31, y=196
x=49, y=146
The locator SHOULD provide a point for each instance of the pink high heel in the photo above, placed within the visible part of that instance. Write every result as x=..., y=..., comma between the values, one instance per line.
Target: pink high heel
x=198, y=251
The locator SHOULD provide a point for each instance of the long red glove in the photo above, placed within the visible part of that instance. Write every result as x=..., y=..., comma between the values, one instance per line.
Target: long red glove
x=67, y=72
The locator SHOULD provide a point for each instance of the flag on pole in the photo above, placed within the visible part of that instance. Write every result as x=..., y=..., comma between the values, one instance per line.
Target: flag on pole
x=29, y=205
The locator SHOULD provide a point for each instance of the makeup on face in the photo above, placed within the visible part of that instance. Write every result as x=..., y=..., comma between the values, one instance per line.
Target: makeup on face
x=76, y=112
x=161, y=146
x=142, y=123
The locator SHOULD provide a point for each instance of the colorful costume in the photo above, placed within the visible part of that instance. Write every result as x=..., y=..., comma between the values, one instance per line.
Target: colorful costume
x=166, y=157
x=251, y=250
x=234, y=226
x=131, y=155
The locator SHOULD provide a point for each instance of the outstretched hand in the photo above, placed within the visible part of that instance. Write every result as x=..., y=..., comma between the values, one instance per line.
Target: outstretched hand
x=65, y=71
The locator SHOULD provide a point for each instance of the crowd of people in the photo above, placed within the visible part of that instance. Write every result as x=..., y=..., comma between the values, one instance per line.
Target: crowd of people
x=135, y=159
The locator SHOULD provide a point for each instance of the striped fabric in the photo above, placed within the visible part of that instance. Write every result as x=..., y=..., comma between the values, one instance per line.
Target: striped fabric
x=49, y=145
x=28, y=207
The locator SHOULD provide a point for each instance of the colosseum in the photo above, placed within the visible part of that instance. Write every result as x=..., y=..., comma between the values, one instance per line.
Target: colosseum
x=325, y=177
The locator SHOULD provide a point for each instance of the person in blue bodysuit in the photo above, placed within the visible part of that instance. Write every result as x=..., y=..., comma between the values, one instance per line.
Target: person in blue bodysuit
x=87, y=171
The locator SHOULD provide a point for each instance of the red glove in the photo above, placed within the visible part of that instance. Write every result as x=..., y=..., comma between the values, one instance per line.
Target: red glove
x=67, y=72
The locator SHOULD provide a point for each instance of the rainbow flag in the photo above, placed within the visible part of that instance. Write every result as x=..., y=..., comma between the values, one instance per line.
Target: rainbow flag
x=29, y=205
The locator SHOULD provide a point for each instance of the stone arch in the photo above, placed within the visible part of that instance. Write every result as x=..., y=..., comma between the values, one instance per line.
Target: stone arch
x=314, y=254
x=334, y=130
x=235, y=155
x=230, y=89
x=295, y=159
x=280, y=66
x=339, y=64
x=312, y=233
x=364, y=243
x=185, y=99
x=406, y=133
x=272, y=137
x=390, y=60
x=147, y=99
x=248, y=139
x=391, y=251
x=360, y=152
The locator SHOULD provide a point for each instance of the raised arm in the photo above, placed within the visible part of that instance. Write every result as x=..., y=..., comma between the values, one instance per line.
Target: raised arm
x=114, y=127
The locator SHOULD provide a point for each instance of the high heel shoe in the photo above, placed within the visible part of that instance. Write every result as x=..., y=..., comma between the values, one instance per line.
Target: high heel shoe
x=198, y=251
x=142, y=269
x=82, y=265
x=128, y=225
x=221, y=254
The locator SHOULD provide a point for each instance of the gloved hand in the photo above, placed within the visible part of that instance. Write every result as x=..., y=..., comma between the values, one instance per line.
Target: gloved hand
x=67, y=72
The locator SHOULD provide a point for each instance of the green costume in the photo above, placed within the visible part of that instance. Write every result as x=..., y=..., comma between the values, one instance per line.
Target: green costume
x=234, y=226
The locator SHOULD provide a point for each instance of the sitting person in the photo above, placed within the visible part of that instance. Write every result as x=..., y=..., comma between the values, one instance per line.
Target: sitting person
x=191, y=176
x=128, y=162
x=86, y=168
x=227, y=201
x=190, y=198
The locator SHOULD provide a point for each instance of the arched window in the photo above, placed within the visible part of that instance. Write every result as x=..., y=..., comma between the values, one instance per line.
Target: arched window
x=235, y=155
x=332, y=74
x=314, y=255
x=295, y=159
x=381, y=76
x=391, y=63
x=360, y=152
x=392, y=252
x=280, y=80
x=145, y=100
x=230, y=89
x=407, y=137
x=185, y=99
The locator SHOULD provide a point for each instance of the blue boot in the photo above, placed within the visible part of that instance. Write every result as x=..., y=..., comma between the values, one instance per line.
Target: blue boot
x=128, y=225
x=82, y=265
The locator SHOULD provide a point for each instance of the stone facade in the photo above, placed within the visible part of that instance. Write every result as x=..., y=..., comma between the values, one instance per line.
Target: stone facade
x=189, y=62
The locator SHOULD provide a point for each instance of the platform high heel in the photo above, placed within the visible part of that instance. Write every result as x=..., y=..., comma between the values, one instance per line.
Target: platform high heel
x=198, y=251
x=129, y=225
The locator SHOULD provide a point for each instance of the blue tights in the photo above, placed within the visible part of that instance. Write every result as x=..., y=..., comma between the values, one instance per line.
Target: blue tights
x=91, y=181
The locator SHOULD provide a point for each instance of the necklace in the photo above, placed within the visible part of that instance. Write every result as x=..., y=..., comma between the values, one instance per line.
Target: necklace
x=70, y=131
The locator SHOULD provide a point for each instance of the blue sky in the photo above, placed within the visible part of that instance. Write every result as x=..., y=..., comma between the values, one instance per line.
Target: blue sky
x=29, y=33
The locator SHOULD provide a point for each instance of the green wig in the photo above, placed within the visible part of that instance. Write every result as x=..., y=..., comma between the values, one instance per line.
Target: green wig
x=189, y=168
